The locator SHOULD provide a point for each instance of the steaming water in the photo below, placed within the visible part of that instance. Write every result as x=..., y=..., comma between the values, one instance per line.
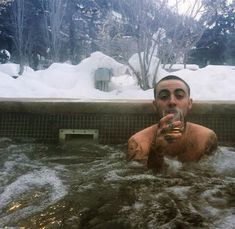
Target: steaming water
x=93, y=186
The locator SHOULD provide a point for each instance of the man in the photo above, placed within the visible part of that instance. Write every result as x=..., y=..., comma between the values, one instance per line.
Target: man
x=171, y=137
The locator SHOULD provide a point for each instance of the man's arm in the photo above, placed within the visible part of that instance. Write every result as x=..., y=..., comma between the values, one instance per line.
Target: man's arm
x=153, y=158
x=139, y=143
x=211, y=144
x=135, y=150
x=156, y=156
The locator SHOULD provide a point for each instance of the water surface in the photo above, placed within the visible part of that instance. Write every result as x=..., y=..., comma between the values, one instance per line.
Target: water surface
x=93, y=186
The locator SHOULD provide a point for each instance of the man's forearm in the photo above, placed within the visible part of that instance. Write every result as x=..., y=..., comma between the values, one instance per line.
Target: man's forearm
x=156, y=156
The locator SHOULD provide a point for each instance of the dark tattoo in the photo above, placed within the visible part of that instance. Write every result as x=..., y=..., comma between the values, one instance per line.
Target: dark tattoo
x=211, y=144
x=156, y=157
x=134, y=150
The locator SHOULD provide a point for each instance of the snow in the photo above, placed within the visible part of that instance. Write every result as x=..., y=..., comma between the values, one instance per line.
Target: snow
x=63, y=80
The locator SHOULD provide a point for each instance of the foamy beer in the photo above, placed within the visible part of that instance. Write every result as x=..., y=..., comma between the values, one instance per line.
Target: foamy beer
x=178, y=116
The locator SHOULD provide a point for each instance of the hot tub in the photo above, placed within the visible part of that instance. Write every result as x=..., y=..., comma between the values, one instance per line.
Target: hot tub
x=73, y=185
x=84, y=181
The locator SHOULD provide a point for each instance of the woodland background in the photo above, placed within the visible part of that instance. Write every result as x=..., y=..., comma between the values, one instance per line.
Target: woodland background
x=41, y=32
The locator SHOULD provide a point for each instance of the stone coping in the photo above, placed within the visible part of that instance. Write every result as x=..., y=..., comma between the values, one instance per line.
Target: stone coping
x=61, y=105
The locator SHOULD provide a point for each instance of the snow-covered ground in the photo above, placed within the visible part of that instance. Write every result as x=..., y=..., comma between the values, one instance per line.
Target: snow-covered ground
x=77, y=81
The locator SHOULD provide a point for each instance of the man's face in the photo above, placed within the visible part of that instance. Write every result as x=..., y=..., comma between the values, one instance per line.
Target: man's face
x=172, y=95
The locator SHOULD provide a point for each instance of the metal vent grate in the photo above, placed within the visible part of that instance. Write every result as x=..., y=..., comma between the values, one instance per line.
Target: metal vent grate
x=79, y=135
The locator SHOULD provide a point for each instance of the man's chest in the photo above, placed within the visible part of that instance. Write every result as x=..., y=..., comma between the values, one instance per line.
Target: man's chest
x=186, y=150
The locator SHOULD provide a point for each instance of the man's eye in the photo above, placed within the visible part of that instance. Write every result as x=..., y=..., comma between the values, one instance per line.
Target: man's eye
x=179, y=95
x=164, y=96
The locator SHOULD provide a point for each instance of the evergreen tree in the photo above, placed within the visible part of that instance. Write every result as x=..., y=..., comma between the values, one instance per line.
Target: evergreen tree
x=217, y=43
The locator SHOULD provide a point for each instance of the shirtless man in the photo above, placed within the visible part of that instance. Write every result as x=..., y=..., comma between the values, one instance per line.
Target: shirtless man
x=171, y=137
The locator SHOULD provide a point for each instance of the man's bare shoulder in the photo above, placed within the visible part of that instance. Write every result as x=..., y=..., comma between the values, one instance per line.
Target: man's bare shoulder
x=139, y=143
x=199, y=129
x=145, y=133
x=204, y=136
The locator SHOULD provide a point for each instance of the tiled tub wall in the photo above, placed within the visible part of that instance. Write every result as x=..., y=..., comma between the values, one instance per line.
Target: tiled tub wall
x=116, y=121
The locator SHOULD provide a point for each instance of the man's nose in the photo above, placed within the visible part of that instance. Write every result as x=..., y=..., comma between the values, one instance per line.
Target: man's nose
x=172, y=100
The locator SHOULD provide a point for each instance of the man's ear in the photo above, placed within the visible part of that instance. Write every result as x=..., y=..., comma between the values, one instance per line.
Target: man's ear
x=190, y=103
x=155, y=105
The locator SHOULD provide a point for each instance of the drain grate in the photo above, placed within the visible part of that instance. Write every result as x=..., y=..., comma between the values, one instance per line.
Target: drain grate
x=79, y=135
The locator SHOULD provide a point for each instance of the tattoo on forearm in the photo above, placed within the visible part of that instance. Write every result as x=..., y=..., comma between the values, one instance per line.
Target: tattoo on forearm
x=134, y=150
x=156, y=157
x=212, y=144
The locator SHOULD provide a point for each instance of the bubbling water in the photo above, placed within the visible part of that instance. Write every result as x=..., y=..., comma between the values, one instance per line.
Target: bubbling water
x=93, y=186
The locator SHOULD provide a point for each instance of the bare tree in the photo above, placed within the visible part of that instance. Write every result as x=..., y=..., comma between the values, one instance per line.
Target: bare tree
x=110, y=35
x=162, y=34
x=187, y=30
x=18, y=22
x=54, y=11
x=142, y=18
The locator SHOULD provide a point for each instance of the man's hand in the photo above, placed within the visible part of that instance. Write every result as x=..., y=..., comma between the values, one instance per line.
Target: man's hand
x=168, y=129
